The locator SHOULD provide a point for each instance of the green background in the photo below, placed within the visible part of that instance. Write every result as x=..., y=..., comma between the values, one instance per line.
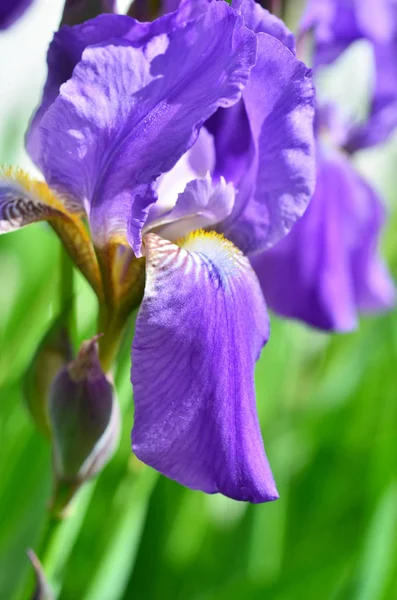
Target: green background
x=328, y=412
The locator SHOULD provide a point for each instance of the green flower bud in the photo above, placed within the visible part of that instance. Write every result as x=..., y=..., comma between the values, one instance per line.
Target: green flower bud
x=84, y=417
x=53, y=353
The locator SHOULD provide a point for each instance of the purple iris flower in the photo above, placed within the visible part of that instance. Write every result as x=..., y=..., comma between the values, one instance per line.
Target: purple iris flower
x=127, y=133
x=11, y=11
x=328, y=269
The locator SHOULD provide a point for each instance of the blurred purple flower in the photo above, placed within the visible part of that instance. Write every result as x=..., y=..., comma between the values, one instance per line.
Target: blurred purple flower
x=335, y=25
x=327, y=270
x=11, y=11
x=124, y=139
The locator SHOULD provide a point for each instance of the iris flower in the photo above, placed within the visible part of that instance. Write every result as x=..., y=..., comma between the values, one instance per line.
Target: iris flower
x=328, y=270
x=125, y=137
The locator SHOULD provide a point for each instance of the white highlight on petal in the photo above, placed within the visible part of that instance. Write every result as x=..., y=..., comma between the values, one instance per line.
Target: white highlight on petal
x=202, y=255
x=194, y=164
x=202, y=205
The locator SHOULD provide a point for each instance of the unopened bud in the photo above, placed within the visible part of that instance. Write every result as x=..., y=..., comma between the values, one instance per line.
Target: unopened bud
x=42, y=589
x=53, y=353
x=84, y=416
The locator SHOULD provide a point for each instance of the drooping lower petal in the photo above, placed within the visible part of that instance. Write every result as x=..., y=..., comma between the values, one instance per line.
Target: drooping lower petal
x=199, y=331
x=24, y=201
x=327, y=269
x=276, y=188
x=127, y=114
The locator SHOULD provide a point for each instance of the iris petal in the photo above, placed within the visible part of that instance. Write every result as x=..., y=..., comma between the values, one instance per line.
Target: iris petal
x=327, y=269
x=69, y=43
x=24, y=201
x=259, y=19
x=200, y=329
x=276, y=188
x=201, y=205
x=128, y=114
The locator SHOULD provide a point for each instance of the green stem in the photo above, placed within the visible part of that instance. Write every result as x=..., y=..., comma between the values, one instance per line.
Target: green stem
x=66, y=291
x=46, y=543
x=51, y=527
x=109, y=343
x=57, y=540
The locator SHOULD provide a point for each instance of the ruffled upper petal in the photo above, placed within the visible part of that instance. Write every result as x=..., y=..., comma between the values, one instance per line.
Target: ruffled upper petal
x=69, y=43
x=199, y=331
x=128, y=114
x=230, y=127
x=327, y=269
x=277, y=186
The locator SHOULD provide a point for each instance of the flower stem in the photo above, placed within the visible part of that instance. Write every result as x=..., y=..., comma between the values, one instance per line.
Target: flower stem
x=46, y=542
x=109, y=343
x=66, y=291
x=48, y=536
x=58, y=539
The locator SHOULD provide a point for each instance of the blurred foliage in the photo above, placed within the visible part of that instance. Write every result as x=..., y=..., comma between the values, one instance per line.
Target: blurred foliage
x=328, y=412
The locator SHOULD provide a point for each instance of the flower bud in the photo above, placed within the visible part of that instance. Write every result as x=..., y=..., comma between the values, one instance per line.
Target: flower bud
x=84, y=417
x=53, y=353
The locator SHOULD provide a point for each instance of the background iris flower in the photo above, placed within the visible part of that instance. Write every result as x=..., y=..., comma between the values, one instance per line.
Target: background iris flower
x=328, y=269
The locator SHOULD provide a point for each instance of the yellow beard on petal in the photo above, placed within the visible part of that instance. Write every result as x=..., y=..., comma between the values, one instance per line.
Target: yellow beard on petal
x=215, y=247
x=38, y=189
x=24, y=201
